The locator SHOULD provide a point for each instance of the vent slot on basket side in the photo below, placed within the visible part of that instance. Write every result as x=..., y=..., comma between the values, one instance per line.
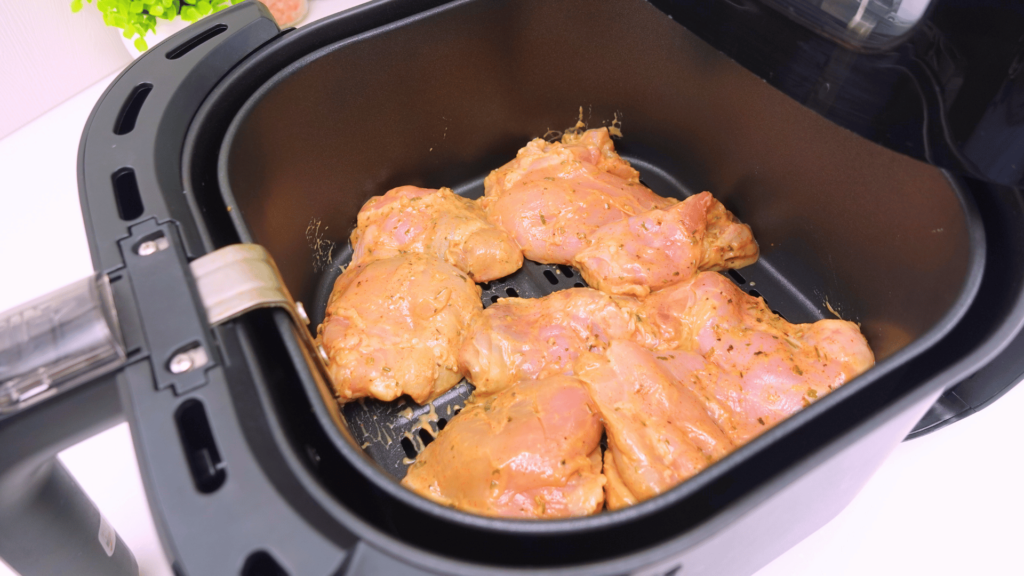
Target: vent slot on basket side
x=204, y=462
x=130, y=110
x=194, y=42
x=126, y=194
x=260, y=563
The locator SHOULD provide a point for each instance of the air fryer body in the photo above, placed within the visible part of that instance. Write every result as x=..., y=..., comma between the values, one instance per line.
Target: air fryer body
x=257, y=135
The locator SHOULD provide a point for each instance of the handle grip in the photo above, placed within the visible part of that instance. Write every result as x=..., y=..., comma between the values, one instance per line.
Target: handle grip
x=57, y=341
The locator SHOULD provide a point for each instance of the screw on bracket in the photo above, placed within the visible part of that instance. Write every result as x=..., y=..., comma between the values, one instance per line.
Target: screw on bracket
x=188, y=360
x=150, y=247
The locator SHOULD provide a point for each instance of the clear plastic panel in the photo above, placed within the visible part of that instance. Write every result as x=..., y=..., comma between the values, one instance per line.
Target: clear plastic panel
x=57, y=341
x=871, y=24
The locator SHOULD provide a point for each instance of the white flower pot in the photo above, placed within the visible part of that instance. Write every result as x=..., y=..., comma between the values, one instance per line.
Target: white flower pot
x=164, y=30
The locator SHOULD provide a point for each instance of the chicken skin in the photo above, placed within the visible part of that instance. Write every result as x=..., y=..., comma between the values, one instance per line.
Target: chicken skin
x=779, y=367
x=394, y=327
x=659, y=432
x=554, y=196
x=519, y=338
x=659, y=248
x=726, y=396
x=531, y=451
x=435, y=222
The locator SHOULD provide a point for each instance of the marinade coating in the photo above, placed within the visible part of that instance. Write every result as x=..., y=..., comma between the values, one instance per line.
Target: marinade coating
x=659, y=432
x=394, y=326
x=521, y=338
x=662, y=247
x=555, y=195
x=531, y=451
x=774, y=367
x=434, y=222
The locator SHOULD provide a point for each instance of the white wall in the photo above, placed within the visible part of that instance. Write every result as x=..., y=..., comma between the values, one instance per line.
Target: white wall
x=48, y=54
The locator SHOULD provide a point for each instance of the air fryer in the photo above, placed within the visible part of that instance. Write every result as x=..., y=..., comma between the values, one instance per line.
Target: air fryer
x=237, y=144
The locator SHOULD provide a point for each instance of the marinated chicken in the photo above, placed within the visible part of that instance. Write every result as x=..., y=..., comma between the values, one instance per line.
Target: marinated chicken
x=519, y=338
x=779, y=367
x=555, y=195
x=670, y=359
x=436, y=222
x=726, y=396
x=659, y=432
x=531, y=451
x=394, y=326
x=660, y=248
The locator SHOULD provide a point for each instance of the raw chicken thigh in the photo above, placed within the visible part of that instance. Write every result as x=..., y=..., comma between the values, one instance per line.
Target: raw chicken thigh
x=531, y=451
x=659, y=432
x=726, y=396
x=394, y=327
x=438, y=223
x=672, y=360
x=781, y=367
x=521, y=338
x=555, y=195
x=659, y=248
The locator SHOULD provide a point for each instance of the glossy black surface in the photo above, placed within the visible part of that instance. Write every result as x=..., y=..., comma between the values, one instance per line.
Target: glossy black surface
x=951, y=94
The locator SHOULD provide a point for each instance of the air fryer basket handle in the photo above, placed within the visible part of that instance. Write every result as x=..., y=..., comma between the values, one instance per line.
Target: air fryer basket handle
x=49, y=349
x=57, y=341
x=65, y=357
x=57, y=358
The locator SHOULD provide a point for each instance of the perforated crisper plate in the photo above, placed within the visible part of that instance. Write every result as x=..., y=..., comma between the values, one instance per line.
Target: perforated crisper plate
x=393, y=433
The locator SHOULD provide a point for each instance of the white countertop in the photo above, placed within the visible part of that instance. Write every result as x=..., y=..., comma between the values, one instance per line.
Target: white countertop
x=951, y=503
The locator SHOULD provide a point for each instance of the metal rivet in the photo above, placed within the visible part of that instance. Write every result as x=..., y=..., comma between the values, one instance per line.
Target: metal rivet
x=147, y=248
x=181, y=362
x=302, y=312
x=150, y=247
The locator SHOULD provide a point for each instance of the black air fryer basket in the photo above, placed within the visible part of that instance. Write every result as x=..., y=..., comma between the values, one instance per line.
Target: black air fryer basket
x=234, y=132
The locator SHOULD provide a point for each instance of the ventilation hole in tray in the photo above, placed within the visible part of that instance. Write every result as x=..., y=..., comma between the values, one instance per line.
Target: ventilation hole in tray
x=485, y=285
x=194, y=42
x=259, y=563
x=579, y=285
x=754, y=293
x=779, y=314
x=130, y=110
x=736, y=276
x=456, y=411
x=566, y=270
x=494, y=299
x=511, y=292
x=441, y=423
x=551, y=277
x=408, y=448
x=427, y=437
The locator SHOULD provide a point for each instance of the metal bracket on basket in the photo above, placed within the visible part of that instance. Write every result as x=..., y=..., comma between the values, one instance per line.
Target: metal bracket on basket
x=239, y=278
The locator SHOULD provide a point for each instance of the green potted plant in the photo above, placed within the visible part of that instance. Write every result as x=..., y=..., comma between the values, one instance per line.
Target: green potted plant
x=137, y=18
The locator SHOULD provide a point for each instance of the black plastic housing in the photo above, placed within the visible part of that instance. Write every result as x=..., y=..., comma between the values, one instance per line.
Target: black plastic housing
x=356, y=103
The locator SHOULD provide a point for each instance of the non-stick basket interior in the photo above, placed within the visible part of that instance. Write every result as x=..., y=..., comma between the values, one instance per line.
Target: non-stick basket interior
x=845, y=227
